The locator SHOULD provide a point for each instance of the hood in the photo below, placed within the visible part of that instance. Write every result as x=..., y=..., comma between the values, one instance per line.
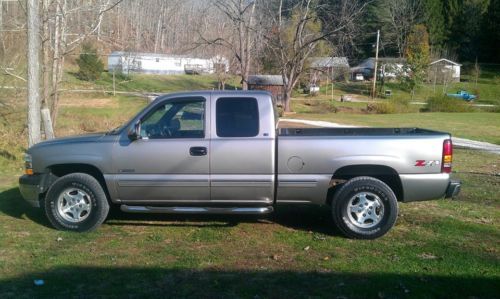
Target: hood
x=94, y=137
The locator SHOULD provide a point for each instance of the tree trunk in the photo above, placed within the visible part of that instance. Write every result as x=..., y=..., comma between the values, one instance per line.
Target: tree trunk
x=55, y=59
x=33, y=72
x=1, y=28
x=288, y=97
x=47, y=124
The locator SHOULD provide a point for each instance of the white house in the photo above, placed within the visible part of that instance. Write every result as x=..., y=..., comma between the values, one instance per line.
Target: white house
x=151, y=63
x=444, y=70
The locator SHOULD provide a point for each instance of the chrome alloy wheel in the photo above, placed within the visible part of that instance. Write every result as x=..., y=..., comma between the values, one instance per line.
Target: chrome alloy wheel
x=365, y=210
x=74, y=205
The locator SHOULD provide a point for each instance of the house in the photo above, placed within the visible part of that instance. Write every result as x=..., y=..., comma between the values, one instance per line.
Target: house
x=444, y=71
x=334, y=68
x=389, y=68
x=272, y=83
x=152, y=63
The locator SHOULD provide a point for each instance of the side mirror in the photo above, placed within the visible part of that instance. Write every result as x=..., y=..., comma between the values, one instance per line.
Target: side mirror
x=135, y=132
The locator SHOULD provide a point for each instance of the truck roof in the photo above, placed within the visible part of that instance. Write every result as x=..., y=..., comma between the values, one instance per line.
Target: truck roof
x=238, y=93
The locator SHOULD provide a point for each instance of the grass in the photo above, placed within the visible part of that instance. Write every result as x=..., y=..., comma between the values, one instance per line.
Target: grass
x=147, y=83
x=437, y=249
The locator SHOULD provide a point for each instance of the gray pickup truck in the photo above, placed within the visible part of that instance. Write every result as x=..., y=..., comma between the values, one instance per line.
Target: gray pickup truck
x=220, y=152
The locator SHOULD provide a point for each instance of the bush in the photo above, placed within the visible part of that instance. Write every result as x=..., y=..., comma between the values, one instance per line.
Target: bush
x=91, y=66
x=393, y=105
x=444, y=103
x=495, y=109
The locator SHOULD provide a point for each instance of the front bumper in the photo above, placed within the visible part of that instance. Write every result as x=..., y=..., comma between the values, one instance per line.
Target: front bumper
x=30, y=187
x=453, y=189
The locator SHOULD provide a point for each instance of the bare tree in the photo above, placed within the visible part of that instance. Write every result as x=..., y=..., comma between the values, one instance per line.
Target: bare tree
x=64, y=36
x=402, y=15
x=296, y=33
x=240, y=36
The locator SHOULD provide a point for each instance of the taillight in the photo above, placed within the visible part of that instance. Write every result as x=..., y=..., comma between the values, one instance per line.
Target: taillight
x=447, y=156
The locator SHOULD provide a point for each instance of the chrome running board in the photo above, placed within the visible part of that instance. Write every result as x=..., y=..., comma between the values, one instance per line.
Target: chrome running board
x=197, y=210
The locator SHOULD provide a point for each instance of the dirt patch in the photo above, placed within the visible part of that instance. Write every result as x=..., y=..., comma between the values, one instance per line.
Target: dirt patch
x=94, y=103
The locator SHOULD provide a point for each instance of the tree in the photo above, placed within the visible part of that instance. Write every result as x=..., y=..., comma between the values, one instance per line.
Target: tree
x=33, y=81
x=296, y=33
x=465, y=18
x=417, y=56
x=490, y=35
x=402, y=15
x=240, y=37
x=91, y=66
x=435, y=23
x=64, y=17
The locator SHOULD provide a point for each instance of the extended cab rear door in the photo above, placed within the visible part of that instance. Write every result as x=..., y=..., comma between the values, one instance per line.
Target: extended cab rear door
x=242, y=149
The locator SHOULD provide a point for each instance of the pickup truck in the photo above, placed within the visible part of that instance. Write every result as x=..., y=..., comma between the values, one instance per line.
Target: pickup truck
x=221, y=152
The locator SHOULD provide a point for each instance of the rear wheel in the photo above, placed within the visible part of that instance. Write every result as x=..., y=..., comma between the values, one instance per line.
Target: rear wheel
x=364, y=208
x=76, y=202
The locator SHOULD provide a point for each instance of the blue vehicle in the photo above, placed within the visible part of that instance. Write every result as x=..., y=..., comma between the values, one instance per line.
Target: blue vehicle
x=464, y=95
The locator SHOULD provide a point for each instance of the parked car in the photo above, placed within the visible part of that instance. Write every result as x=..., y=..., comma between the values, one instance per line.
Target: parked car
x=220, y=152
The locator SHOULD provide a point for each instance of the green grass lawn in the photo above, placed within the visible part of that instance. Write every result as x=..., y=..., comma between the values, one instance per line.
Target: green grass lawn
x=147, y=83
x=438, y=249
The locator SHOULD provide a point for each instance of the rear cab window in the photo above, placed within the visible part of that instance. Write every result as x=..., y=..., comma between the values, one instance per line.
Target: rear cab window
x=237, y=117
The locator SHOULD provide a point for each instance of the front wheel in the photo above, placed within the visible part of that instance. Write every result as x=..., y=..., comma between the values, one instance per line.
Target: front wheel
x=76, y=202
x=364, y=208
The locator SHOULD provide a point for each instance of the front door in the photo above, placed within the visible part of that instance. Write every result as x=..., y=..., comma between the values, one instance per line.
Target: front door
x=169, y=163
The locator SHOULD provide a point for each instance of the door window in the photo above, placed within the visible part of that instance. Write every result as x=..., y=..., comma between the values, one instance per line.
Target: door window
x=237, y=117
x=183, y=119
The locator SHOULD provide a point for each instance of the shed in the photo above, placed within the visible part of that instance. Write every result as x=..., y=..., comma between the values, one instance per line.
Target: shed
x=444, y=71
x=153, y=63
x=335, y=68
x=272, y=83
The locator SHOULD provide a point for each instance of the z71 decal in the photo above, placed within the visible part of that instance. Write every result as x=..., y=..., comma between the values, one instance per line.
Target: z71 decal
x=423, y=163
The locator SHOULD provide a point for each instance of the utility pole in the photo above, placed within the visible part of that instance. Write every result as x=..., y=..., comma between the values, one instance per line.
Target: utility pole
x=33, y=72
x=374, y=92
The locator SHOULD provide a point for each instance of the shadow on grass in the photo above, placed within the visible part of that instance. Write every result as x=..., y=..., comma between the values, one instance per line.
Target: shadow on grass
x=303, y=217
x=13, y=205
x=157, y=282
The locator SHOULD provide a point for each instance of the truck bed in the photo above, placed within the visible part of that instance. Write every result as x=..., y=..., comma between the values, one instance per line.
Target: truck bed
x=356, y=132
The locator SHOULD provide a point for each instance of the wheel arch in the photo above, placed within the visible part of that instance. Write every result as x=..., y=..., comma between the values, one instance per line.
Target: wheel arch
x=384, y=173
x=59, y=170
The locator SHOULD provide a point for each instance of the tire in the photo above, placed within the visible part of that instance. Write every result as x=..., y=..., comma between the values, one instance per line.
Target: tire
x=76, y=202
x=364, y=208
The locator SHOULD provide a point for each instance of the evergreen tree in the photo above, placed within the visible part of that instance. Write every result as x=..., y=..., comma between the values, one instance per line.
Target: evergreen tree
x=91, y=66
x=435, y=23
x=490, y=34
x=464, y=22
